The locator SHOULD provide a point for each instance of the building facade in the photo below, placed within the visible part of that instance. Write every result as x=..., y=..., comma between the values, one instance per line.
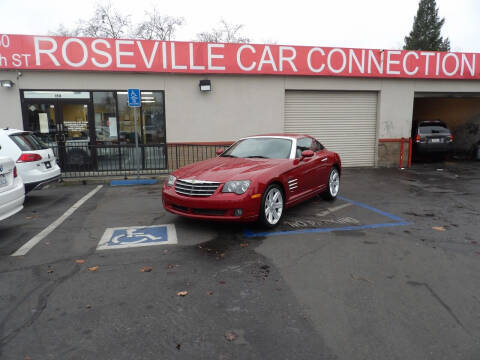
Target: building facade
x=360, y=103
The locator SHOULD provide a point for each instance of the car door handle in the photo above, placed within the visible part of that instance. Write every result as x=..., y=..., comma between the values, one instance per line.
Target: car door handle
x=324, y=159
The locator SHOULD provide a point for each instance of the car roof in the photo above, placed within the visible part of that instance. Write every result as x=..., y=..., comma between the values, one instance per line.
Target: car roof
x=295, y=136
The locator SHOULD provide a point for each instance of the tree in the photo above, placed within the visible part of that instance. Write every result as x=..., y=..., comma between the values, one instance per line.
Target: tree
x=426, y=32
x=226, y=33
x=157, y=27
x=107, y=22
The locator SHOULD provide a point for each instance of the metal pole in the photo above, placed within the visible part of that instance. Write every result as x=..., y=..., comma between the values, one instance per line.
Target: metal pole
x=137, y=163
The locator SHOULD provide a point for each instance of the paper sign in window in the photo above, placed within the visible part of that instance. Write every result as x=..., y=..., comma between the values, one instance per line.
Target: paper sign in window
x=43, y=122
x=112, y=123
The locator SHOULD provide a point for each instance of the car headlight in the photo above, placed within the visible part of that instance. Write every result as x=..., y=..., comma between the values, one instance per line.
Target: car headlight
x=171, y=180
x=237, y=187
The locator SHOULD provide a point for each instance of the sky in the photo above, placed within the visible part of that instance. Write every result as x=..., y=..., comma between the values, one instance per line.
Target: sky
x=376, y=24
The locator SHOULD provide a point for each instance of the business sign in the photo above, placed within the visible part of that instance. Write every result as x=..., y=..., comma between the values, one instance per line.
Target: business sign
x=28, y=52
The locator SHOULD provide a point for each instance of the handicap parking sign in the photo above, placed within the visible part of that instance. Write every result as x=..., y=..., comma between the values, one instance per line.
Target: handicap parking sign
x=135, y=236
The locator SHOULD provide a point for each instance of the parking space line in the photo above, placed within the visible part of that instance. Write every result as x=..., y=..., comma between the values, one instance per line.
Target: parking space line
x=45, y=232
x=249, y=234
x=365, y=206
x=397, y=222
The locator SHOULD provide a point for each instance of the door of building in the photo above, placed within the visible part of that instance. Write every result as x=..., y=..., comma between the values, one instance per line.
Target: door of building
x=345, y=122
x=64, y=125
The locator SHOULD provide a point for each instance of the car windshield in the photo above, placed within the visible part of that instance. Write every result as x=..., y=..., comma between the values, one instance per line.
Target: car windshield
x=263, y=148
x=28, y=142
x=429, y=129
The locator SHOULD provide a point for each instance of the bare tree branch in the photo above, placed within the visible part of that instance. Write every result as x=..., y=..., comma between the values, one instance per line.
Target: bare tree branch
x=157, y=27
x=106, y=22
x=226, y=33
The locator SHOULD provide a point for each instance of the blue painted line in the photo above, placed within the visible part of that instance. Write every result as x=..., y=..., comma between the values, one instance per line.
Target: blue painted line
x=365, y=206
x=250, y=234
x=133, y=182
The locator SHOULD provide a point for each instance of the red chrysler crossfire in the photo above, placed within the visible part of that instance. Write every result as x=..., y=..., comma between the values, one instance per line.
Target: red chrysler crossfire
x=256, y=178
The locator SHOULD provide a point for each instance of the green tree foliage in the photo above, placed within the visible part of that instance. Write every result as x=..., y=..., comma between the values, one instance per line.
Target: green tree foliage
x=427, y=26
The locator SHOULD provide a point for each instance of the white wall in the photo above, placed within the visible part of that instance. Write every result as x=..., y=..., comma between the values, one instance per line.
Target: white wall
x=237, y=106
x=11, y=111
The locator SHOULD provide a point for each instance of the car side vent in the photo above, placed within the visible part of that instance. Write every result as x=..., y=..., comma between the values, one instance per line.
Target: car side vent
x=292, y=184
x=195, y=187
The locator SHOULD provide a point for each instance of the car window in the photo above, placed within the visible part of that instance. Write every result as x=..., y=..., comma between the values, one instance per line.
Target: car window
x=424, y=129
x=268, y=148
x=28, y=142
x=303, y=144
x=316, y=146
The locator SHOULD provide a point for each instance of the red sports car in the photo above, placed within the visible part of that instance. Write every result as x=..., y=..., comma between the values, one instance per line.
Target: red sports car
x=256, y=178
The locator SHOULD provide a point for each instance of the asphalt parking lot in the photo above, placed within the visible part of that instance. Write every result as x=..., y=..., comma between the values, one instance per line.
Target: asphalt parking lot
x=390, y=270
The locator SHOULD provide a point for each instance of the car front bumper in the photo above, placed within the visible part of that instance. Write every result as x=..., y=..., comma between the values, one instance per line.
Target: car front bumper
x=219, y=206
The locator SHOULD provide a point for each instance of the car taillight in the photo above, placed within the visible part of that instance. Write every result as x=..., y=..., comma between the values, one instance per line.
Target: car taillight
x=451, y=137
x=15, y=174
x=417, y=138
x=26, y=157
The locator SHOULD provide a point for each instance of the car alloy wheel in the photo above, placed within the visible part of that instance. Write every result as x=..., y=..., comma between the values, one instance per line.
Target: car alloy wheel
x=333, y=184
x=272, y=206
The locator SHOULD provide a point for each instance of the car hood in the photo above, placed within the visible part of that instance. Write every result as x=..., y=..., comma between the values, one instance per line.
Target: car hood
x=221, y=169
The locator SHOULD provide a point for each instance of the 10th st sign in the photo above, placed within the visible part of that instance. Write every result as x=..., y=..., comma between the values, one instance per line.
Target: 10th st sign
x=90, y=54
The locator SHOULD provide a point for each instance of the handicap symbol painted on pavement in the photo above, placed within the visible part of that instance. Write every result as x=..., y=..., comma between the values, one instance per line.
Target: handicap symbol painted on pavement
x=135, y=236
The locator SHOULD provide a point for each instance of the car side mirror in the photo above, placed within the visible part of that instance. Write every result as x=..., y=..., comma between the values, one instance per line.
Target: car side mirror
x=307, y=153
x=219, y=151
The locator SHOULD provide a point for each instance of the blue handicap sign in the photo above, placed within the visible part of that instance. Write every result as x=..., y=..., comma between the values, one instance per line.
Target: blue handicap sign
x=132, y=236
x=134, y=97
x=136, y=236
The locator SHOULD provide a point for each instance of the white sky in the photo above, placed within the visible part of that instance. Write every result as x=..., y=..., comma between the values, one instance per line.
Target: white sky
x=378, y=24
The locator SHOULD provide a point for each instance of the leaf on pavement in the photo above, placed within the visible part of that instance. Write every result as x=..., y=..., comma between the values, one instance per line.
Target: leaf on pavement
x=170, y=266
x=230, y=336
x=80, y=261
x=243, y=244
x=182, y=293
x=146, y=269
x=439, y=228
x=93, y=268
x=209, y=292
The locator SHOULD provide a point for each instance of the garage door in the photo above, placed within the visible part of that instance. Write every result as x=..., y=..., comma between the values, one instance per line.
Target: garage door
x=344, y=122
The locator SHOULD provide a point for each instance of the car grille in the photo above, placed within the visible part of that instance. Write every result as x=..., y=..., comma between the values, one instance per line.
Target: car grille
x=195, y=187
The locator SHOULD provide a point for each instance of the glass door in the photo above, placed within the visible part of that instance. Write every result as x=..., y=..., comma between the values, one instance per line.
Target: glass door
x=76, y=135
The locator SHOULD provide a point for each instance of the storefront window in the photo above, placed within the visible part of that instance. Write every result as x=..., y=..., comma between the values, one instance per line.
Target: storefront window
x=63, y=120
x=40, y=118
x=104, y=107
x=153, y=119
x=126, y=122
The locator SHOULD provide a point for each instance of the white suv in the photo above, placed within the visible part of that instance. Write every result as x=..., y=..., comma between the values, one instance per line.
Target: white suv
x=12, y=192
x=35, y=161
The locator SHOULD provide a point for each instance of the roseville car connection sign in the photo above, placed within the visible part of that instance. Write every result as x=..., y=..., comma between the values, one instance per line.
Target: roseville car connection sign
x=73, y=53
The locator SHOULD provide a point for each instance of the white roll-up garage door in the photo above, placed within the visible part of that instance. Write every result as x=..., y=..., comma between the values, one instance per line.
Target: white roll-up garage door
x=345, y=122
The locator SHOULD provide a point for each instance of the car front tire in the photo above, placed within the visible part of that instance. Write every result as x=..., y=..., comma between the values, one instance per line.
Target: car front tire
x=272, y=206
x=333, y=185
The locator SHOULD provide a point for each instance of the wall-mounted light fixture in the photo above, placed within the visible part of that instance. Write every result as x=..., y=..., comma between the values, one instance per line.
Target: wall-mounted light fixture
x=205, y=85
x=6, y=83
